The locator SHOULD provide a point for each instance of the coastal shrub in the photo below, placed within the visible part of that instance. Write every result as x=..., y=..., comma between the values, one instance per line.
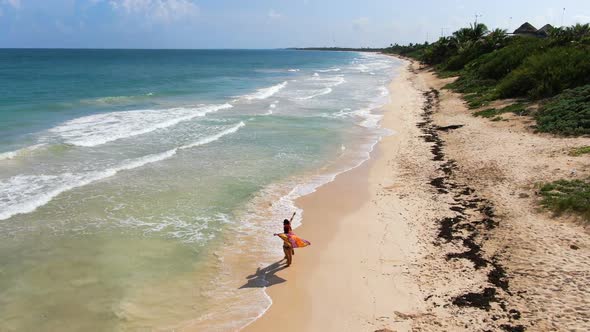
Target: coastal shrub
x=518, y=109
x=457, y=62
x=500, y=63
x=477, y=100
x=576, y=34
x=576, y=152
x=477, y=92
x=440, y=51
x=414, y=51
x=547, y=74
x=473, y=49
x=469, y=83
x=567, y=196
x=567, y=113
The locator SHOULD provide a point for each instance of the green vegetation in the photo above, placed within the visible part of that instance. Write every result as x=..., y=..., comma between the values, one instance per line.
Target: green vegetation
x=567, y=196
x=518, y=109
x=576, y=152
x=567, y=113
x=491, y=66
x=549, y=73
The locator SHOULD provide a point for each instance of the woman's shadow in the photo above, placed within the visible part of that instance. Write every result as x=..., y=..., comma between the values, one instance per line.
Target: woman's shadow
x=265, y=277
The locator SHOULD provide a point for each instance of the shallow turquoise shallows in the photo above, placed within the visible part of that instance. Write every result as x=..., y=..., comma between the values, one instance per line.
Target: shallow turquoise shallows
x=132, y=182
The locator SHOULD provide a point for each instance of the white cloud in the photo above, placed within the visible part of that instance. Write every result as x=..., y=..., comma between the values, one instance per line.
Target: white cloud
x=13, y=3
x=272, y=14
x=163, y=11
x=360, y=23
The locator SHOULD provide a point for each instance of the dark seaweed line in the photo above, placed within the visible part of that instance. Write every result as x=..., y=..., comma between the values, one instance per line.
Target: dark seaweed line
x=463, y=228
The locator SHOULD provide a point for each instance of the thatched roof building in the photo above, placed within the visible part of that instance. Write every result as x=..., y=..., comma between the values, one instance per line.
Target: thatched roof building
x=545, y=30
x=526, y=29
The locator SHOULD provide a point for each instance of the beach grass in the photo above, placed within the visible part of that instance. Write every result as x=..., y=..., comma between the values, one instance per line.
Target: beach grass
x=517, y=108
x=566, y=114
x=567, y=196
x=576, y=152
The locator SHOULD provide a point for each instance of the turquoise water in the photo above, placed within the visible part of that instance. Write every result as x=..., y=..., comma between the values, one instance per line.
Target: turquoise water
x=127, y=177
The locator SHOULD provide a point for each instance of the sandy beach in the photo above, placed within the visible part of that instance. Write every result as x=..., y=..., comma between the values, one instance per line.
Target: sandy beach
x=440, y=229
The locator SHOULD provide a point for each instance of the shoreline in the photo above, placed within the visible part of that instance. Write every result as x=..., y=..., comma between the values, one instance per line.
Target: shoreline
x=439, y=229
x=321, y=267
x=255, y=266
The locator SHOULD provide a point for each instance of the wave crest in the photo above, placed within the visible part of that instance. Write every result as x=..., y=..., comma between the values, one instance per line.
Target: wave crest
x=25, y=193
x=99, y=129
x=266, y=92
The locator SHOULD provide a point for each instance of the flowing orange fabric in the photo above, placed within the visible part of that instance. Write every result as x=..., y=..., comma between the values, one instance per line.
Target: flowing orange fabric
x=294, y=240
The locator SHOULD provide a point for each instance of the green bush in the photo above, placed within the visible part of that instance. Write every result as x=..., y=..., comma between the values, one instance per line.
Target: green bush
x=567, y=196
x=477, y=92
x=440, y=51
x=518, y=109
x=567, y=113
x=500, y=63
x=457, y=62
x=547, y=74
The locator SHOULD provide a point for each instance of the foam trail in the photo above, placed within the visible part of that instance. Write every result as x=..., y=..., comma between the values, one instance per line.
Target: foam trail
x=25, y=193
x=318, y=93
x=266, y=92
x=329, y=70
x=99, y=129
x=336, y=81
x=20, y=152
x=215, y=137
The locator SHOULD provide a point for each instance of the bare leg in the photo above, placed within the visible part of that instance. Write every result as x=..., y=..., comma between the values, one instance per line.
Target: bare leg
x=286, y=251
x=289, y=255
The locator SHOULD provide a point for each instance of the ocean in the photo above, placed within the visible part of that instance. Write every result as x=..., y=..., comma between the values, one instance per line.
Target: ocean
x=139, y=189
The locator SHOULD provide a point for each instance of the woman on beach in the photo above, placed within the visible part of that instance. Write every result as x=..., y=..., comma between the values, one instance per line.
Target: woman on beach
x=287, y=247
x=290, y=240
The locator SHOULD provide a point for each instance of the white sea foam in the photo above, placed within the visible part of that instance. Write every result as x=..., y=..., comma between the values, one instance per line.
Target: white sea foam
x=265, y=93
x=178, y=228
x=331, y=81
x=317, y=93
x=99, y=129
x=293, y=70
x=371, y=120
x=215, y=137
x=335, y=81
x=361, y=67
x=366, y=118
x=271, y=107
x=25, y=193
x=20, y=152
x=329, y=70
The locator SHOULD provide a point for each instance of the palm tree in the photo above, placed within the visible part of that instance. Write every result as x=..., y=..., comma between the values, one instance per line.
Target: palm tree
x=465, y=37
x=496, y=39
x=573, y=34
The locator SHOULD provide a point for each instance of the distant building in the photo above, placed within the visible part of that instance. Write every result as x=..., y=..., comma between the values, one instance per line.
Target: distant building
x=545, y=30
x=529, y=30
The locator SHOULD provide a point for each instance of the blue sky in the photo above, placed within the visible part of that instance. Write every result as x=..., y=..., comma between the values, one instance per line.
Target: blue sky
x=260, y=23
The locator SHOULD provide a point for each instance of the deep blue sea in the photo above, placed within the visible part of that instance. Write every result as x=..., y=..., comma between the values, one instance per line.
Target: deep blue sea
x=139, y=188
